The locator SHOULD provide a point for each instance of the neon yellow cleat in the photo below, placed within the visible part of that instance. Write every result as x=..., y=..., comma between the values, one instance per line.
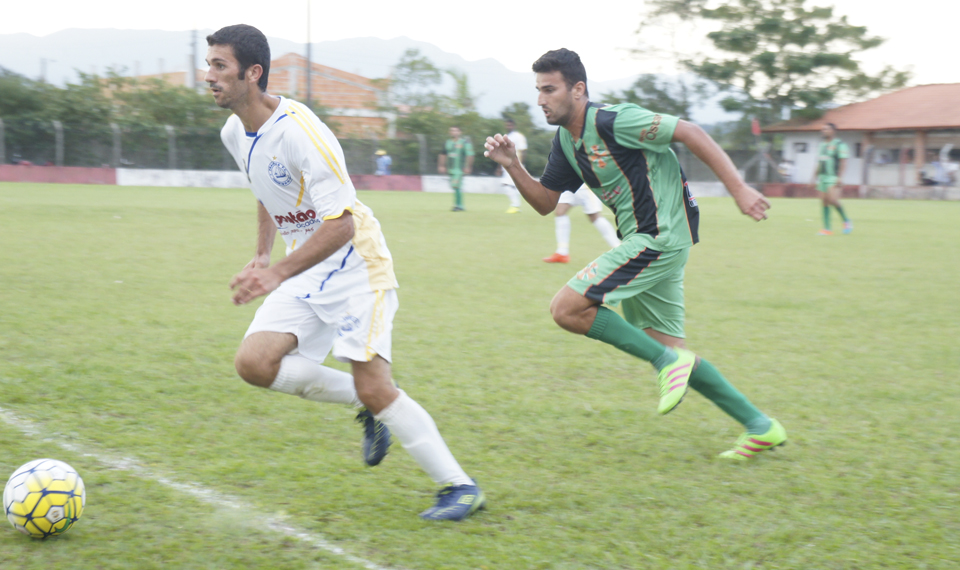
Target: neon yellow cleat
x=513, y=210
x=750, y=444
x=674, y=380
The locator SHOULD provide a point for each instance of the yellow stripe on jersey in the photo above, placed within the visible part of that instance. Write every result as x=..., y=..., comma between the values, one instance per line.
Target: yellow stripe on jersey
x=376, y=325
x=366, y=242
x=293, y=245
x=295, y=112
x=302, y=188
x=335, y=216
x=323, y=141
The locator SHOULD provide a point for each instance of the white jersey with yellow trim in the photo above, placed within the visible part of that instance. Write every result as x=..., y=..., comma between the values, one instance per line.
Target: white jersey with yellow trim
x=296, y=170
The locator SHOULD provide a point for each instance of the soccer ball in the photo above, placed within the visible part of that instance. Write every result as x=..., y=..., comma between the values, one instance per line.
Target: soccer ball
x=44, y=498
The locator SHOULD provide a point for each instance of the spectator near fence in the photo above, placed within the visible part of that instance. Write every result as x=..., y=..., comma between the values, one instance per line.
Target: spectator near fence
x=383, y=163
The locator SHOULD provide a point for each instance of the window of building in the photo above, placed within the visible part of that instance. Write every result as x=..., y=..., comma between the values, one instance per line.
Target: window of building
x=800, y=147
x=858, y=150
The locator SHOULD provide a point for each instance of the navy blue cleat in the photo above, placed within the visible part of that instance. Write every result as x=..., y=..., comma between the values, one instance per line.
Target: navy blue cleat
x=376, y=438
x=455, y=503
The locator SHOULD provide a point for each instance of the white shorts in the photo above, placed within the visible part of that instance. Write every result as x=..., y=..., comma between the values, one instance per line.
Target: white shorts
x=583, y=197
x=357, y=327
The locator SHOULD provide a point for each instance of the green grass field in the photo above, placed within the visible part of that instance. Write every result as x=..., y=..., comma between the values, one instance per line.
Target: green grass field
x=116, y=348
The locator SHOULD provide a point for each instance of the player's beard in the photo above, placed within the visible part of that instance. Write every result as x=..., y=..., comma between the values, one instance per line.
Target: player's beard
x=230, y=99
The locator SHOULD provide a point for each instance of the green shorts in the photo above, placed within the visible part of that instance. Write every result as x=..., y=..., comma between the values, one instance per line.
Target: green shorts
x=825, y=183
x=648, y=283
x=456, y=179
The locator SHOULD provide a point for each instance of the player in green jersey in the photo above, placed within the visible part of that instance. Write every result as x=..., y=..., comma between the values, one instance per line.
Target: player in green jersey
x=457, y=160
x=831, y=162
x=622, y=152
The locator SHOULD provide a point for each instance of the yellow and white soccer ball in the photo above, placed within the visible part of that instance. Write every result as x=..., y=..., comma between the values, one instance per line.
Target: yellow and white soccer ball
x=44, y=498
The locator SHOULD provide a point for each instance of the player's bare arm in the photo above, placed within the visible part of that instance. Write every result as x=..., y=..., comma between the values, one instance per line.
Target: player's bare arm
x=442, y=164
x=266, y=233
x=501, y=150
x=750, y=202
x=329, y=237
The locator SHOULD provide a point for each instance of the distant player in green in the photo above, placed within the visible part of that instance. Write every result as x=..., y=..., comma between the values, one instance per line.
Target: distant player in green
x=457, y=160
x=831, y=163
x=622, y=152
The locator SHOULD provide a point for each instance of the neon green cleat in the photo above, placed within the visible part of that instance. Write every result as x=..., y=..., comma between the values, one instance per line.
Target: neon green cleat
x=674, y=380
x=750, y=444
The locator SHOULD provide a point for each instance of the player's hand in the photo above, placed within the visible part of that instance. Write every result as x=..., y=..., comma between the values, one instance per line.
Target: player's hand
x=251, y=283
x=260, y=261
x=752, y=203
x=442, y=169
x=501, y=150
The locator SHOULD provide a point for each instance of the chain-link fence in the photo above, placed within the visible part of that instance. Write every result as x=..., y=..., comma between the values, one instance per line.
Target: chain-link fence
x=165, y=147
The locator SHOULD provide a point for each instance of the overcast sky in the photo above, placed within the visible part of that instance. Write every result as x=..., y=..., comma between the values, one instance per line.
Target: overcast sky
x=922, y=34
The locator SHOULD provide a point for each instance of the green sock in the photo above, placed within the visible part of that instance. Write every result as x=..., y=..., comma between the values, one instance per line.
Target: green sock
x=842, y=214
x=826, y=217
x=707, y=380
x=609, y=327
x=459, y=197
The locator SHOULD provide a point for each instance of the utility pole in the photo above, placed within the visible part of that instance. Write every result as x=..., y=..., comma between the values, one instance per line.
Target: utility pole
x=192, y=67
x=309, y=65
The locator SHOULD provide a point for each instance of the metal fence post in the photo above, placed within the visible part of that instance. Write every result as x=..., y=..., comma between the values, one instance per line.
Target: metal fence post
x=171, y=147
x=58, y=144
x=423, y=153
x=3, y=147
x=115, y=162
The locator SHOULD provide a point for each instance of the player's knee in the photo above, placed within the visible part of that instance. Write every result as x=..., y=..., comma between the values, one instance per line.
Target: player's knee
x=376, y=394
x=253, y=370
x=562, y=314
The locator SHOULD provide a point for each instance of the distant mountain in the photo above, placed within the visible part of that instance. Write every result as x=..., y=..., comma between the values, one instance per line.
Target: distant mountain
x=152, y=51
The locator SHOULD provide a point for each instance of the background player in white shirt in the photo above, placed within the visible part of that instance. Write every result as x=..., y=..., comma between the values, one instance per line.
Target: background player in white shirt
x=509, y=186
x=592, y=207
x=335, y=289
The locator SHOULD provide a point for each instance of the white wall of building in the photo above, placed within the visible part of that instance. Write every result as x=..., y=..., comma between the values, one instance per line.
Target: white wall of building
x=492, y=185
x=181, y=178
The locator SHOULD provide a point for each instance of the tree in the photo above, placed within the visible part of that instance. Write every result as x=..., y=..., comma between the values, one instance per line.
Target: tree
x=654, y=93
x=414, y=81
x=778, y=55
x=19, y=95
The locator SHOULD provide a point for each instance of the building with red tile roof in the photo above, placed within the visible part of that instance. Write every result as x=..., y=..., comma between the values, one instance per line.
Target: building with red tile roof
x=894, y=139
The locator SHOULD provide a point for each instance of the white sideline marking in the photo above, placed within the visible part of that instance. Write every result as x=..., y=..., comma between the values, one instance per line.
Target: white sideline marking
x=206, y=495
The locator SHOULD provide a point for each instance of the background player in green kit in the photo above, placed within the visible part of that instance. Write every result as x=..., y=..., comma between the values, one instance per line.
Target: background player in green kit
x=457, y=159
x=831, y=162
x=622, y=153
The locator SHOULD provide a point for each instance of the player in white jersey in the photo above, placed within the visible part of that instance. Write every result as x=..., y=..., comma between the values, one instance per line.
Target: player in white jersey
x=507, y=183
x=335, y=290
x=592, y=207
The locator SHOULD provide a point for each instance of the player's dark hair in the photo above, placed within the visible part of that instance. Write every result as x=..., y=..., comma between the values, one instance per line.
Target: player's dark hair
x=250, y=47
x=832, y=126
x=567, y=63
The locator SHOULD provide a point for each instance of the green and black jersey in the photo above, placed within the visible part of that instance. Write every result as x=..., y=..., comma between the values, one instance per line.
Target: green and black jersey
x=457, y=152
x=829, y=155
x=623, y=154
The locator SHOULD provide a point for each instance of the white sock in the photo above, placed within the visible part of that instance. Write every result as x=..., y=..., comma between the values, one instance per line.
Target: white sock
x=303, y=377
x=417, y=433
x=513, y=194
x=607, y=231
x=562, y=228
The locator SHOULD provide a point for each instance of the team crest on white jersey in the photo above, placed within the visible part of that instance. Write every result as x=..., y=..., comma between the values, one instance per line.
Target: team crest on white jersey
x=279, y=173
x=348, y=324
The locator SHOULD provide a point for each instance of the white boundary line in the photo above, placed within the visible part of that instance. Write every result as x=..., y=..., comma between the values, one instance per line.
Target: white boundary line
x=208, y=496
